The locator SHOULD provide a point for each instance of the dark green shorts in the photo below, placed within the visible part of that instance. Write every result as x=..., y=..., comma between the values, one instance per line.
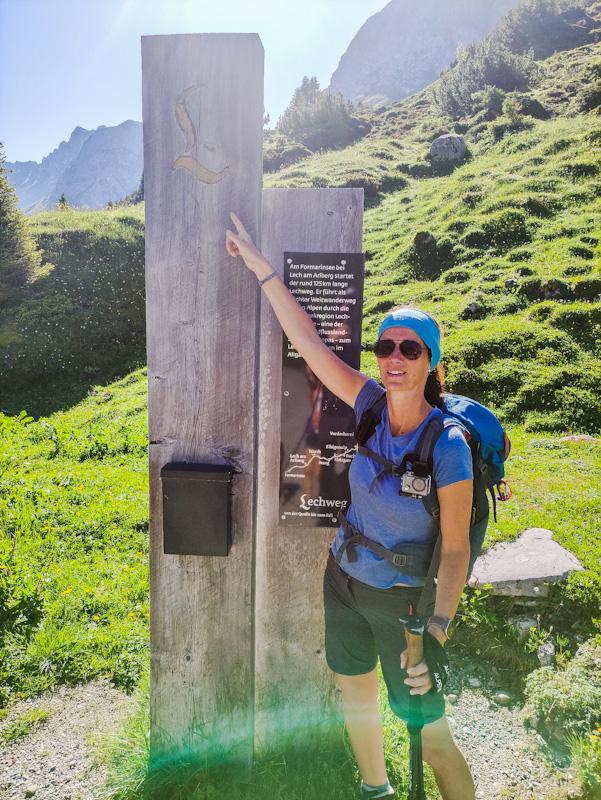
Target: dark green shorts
x=362, y=623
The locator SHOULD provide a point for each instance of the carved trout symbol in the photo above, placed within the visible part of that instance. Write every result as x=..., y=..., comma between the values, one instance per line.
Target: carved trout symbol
x=187, y=161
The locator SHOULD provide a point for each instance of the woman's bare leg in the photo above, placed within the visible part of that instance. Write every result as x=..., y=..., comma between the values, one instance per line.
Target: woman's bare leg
x=450, y=768
x=363, y=723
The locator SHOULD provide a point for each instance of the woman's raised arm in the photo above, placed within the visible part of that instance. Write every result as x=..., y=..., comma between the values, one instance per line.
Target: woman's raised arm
x=341, y=379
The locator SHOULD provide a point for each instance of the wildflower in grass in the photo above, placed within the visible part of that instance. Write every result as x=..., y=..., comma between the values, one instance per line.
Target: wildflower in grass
x=67, y=591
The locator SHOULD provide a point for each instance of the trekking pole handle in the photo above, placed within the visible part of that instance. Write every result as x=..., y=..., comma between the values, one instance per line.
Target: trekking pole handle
x=415, y=647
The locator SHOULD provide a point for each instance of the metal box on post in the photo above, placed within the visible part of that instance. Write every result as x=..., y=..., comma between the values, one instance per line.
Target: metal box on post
x=197, y=511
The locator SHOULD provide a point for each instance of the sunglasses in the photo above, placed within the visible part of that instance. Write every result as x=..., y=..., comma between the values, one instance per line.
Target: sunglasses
x=408, y=348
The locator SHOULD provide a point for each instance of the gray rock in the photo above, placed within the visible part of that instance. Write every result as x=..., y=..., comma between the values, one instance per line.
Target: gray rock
x=502, y=698
x=448, y=147
x=525, y=567
x=546, y=654
x=523, y=624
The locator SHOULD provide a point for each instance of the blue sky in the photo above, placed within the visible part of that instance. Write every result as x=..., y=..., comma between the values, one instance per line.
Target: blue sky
x=65, y=63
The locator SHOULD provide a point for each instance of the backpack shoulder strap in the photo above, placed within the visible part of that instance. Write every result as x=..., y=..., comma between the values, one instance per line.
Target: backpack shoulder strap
x=369, y=419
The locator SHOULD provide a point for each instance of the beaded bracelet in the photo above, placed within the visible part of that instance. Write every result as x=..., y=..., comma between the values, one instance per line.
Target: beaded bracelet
x=262, y=281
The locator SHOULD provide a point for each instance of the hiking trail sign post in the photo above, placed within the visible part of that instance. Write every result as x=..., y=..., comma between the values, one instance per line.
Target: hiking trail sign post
x=248, y=452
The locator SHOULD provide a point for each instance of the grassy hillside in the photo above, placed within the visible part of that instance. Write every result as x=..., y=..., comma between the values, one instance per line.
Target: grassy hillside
x=74, y=542
x=526, y=208
x=83, y=316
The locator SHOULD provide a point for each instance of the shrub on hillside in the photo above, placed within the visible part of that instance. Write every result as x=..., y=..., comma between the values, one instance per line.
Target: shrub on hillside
x=575, y=170
x=429, y=256
x=501, y=231
x=531, y=107
x=486, y=64
x=540, y=206
x=566, y=701
x=505, y=125
x=19, y=255
x=320, y=120
x=489, y=101
x=545, y=27
x=279, y=152
x=587, y=289
x=457, y=275
x=371, y=184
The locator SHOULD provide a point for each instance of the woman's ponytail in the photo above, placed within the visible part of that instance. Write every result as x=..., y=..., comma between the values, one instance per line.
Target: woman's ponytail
x=434, y=388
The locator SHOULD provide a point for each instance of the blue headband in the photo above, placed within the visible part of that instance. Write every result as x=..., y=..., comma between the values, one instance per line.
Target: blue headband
x=419, y=322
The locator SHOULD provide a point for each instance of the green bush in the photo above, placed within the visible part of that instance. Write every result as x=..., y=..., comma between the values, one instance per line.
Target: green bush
x=520, y=254
x=576, y=269
x=456, y=275
x=581, y=252
x=587, y=288
x=472, y=198
x=576, y=170
x=320, y=120
x=488, y=63
x=544, y=27
x=505, y=125
x=506, y=229
x=371, y=184
x=585, y=751
x=581, y=321
x=567, y=701
x=489, y=100
x=551, y=289
x=540, y=206
x=281, y=153
x=429, y=256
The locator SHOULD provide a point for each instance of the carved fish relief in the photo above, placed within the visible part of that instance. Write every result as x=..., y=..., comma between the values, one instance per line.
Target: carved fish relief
x=186, y=160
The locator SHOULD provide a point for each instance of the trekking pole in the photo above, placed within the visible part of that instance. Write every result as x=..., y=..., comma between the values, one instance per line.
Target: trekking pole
x=414, y=636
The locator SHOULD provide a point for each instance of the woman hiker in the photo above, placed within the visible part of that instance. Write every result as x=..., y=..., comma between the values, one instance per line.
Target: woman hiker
x=365, y=596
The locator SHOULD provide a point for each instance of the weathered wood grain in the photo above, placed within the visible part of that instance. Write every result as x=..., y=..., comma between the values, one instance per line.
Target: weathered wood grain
x=294, y=688
x=202, y=100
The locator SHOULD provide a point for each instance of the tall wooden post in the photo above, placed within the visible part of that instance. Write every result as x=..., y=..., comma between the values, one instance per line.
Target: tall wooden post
x=203, y=123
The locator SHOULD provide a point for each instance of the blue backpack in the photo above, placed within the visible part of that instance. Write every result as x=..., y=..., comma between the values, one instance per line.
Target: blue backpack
x=490, y=447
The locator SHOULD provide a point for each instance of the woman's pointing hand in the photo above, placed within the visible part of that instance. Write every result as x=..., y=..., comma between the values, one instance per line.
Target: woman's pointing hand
x=241, y=244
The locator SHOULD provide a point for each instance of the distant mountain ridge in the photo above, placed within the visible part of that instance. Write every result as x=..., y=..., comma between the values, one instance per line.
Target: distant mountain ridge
x=395, y=53
x=404, y=47
x=91, y=168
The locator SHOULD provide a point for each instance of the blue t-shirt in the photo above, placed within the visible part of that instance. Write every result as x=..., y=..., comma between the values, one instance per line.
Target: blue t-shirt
x=378, y=511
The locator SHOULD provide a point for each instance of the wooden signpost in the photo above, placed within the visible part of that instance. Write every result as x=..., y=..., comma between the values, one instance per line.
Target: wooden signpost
x=236, y=629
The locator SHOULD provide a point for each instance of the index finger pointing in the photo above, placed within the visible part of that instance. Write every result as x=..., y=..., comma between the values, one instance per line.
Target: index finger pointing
x=237, y=222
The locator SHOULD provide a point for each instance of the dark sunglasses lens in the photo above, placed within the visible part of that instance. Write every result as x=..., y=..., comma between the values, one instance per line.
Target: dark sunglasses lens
x=411, y=350
x=383, y=348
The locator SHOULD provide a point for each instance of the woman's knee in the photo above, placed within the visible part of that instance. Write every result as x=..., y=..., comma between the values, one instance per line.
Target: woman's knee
x=358, y=689
x=437, y=742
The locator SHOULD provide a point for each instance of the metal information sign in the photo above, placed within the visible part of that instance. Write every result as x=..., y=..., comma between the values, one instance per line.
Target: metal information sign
x=317, y=430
